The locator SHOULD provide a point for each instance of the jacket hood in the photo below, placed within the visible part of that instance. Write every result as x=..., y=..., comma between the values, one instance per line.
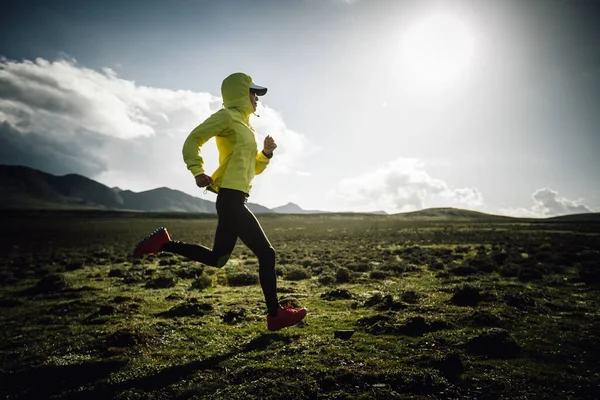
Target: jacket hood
x=235, y=90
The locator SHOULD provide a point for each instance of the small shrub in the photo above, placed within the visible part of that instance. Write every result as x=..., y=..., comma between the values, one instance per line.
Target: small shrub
x=509, y=270
x=161, y=282
x=436, y=265
x=116, y=273
x=190, y=272
x=529, y=273
x=242, y=279
x=379, y=275
x=342, y=275
x=362, y=267
x=167, y=261
x=483, y=264
x=295, y=274
x=202, y=282
x=462, y=270
x=327, y=279
x=394, y=268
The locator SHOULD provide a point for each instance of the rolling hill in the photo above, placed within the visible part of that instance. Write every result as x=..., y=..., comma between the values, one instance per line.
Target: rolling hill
x=23, y=187
x=28, y=188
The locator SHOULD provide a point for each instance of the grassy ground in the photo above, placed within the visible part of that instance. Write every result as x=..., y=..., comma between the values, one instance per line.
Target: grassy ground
x=439, y=309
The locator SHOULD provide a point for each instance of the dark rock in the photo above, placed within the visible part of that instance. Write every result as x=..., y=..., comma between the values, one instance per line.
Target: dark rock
x=343, y=334
x=451, y=366
x=466, y=296
x=161, y=282
x=463, y=270
x=188, y=309
x=122, y=299
x=234, y=316
x=337, y=294
x=126, y=338
x=107, y=310
x=410, y=297
x=375, y=299
x=494, y=343
x=414, y=326
x=519, y=300
x=174, y=296
x=51, y=283
x=116, y=273
x=483, y=318
x=74, y=265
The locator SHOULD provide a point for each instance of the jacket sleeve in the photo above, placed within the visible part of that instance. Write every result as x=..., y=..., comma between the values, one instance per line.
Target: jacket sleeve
x=261, y=162
x=211, y=127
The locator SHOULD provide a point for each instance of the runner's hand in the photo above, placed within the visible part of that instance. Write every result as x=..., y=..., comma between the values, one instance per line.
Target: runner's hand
x=269, y=145
x=203, y=180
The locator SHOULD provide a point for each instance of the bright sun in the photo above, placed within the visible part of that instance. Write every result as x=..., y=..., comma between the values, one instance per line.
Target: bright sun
x=438, y=49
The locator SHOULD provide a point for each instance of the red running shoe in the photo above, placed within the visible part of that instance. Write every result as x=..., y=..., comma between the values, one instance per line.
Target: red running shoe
x=286, y=316
x=153, y=243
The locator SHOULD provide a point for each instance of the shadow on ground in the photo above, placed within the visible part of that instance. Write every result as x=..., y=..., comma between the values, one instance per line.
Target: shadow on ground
x=167, y=376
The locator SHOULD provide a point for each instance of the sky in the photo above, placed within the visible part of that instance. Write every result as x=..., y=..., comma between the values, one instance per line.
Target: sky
x=394, y=105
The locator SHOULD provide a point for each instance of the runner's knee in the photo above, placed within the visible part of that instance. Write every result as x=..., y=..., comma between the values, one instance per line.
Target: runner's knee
x=266, y=256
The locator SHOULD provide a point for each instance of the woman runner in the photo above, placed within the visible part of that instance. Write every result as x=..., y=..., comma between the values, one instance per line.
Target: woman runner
x=239, y=161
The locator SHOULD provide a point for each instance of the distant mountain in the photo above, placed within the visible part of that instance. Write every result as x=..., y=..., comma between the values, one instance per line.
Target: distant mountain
x=291, y=208
x=165, y=199
x=23, y=187
x=258, y=209
x=28, y=187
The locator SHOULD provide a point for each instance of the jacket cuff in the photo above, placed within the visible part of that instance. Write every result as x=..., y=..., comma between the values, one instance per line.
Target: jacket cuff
x=264, y=154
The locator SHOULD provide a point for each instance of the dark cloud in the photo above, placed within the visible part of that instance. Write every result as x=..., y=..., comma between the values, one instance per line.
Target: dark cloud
x=50, y=154
x=33, y=94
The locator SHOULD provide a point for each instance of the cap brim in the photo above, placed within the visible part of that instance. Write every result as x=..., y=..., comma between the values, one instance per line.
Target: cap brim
x=260, y=90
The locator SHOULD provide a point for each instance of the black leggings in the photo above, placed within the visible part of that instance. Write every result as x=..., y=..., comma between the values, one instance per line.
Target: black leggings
x=236, y=221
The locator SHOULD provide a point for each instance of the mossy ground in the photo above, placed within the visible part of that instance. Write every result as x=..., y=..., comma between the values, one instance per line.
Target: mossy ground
x=80, y=319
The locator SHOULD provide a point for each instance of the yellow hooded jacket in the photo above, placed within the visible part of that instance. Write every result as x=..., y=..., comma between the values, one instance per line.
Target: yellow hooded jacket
x=239, y=158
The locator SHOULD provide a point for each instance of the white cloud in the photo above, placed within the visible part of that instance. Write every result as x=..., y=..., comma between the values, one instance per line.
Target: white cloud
x=401, y=185
x=291, y=146
x=133, y=133
x=547, y=203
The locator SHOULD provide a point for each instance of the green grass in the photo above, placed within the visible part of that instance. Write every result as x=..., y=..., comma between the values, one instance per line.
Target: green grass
x=100, y=332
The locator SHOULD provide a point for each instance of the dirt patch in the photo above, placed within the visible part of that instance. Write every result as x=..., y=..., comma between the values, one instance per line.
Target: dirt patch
x=337, y=294
x=467, y=296
x=387, y=324
x=162, y=282
x=384, y=302
x=494, y=343
x=187, y=310
x=234, y=316
x=50, y=284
